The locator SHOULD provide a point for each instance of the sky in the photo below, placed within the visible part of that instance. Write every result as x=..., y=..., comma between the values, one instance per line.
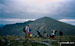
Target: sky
x=13, y=11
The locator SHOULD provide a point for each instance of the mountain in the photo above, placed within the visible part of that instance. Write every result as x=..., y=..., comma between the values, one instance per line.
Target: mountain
x=45, y=24
x=14, y=29
x=1, y=25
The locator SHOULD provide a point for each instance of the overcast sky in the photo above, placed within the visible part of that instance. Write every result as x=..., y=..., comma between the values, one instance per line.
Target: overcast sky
x=13, y=11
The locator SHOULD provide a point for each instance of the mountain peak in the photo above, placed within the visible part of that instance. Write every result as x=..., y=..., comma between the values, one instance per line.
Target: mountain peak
x=45, y=18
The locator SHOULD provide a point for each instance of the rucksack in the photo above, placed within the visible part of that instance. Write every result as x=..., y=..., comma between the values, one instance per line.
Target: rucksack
x=24, y=29
x=29, y=30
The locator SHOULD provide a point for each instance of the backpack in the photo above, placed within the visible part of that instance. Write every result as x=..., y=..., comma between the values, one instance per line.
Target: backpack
x=29, y=30
x=24, y=29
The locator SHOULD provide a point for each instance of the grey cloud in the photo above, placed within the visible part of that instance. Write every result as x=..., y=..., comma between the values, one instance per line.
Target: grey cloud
x=10, y=9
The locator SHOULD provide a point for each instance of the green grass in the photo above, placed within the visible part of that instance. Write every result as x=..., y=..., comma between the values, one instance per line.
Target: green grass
x=14, y=42
x=55, y=43
x=66, y=38
x=17, y=43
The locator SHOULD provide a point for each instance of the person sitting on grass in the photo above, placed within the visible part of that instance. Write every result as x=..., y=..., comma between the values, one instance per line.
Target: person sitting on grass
x=53, y=33
x=45, y=34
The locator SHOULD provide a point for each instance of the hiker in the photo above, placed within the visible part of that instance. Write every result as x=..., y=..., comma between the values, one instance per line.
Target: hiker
x=45, y=34
x=55, y=32
x=28, y=31
x=38, y=32
x=52, y=34
x=61, y=34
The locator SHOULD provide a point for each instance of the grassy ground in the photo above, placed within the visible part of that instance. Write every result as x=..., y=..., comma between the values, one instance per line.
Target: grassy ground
x=20, y=41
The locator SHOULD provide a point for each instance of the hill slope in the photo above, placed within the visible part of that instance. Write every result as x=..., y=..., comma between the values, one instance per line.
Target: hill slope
x=1, y=25
x=14, y=29
x=45, y=24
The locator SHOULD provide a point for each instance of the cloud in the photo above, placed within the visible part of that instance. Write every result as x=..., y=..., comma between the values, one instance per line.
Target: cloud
x=11, y=21
x=34, y=9
x=33, y=6
x=69, y=21
x=66, y=20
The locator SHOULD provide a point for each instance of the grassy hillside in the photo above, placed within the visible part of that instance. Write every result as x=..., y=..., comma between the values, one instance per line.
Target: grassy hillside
x=45, y=24
x=14, y=29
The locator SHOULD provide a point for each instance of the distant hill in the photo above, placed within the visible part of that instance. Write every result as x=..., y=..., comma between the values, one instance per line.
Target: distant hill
x=45, y=24
x=14, y=29
x=1, y=25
